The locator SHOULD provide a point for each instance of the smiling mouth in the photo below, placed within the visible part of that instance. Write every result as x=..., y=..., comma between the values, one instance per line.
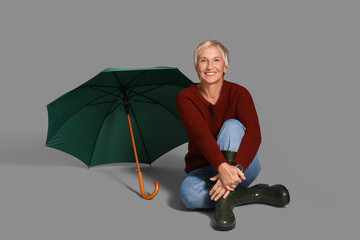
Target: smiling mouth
x=210, y=74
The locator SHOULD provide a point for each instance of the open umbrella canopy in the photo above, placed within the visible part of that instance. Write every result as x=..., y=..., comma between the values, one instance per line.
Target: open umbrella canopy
x=90, y=122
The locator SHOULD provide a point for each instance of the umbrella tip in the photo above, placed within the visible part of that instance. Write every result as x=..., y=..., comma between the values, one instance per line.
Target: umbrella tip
x=46, y=106
x=45, y=145
x=89, y=167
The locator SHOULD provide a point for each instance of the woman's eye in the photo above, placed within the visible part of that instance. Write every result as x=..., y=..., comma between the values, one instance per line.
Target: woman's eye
x=203, y=60
x=217, y=60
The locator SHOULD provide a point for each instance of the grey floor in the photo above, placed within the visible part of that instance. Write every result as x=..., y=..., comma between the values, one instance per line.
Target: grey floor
x=298, y=59
x=47, y=194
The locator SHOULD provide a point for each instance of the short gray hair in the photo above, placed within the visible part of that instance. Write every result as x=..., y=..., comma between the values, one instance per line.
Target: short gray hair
x=211, y=43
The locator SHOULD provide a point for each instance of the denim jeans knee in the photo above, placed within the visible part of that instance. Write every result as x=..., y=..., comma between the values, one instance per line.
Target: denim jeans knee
x=230, y=135
x=194, y=190
x=233, y=126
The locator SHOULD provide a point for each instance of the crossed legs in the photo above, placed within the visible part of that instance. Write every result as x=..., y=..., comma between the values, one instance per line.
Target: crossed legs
x=195, y=188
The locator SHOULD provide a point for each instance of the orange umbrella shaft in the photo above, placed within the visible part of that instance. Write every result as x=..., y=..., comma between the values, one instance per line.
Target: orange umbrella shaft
x=133, y=142
x=141, y=183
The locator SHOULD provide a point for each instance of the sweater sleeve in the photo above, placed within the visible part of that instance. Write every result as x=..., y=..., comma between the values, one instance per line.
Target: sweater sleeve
x=198, y=129
x=246, y=114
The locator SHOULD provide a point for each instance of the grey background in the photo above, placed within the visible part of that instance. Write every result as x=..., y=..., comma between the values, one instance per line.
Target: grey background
x=299, y=60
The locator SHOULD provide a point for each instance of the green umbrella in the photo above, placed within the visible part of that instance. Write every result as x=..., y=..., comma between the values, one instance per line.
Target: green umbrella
x=100, y=121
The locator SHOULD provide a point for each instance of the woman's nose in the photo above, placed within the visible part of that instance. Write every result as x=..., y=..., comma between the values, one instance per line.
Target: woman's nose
x=209, y=65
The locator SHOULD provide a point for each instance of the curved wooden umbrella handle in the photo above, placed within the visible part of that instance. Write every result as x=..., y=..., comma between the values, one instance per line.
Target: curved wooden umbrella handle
x=141, y=183
x=143, y=194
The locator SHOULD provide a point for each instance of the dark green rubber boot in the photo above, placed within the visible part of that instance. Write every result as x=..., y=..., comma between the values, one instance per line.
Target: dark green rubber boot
x=224, y=219
x=229, y=156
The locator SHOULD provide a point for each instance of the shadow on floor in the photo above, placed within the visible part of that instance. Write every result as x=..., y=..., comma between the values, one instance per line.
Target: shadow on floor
x=29, y=151
x=169, y=178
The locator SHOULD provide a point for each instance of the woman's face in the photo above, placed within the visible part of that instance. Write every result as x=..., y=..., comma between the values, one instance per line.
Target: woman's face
x=211, y=65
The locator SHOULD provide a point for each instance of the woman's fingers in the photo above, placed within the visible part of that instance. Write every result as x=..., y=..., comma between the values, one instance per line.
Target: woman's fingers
x=219, y=190
x=214, y=192
x=214, y=178
x=241, y=175
x=220, y=194
x=231, y=186
x=226, y=194
x=216, y=186
x=223, y=187
x=228, y=188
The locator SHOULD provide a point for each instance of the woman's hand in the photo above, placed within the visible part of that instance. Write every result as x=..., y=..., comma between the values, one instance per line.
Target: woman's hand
x=218, y=189
x=230, y=176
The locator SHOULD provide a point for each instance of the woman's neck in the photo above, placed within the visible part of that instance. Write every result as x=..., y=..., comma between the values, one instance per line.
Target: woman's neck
x=211, y=92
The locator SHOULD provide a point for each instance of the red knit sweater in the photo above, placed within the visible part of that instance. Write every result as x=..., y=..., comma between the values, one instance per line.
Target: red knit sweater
x=204, y=120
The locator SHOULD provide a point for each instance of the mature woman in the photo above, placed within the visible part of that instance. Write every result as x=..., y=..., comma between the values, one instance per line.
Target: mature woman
x=224, y=137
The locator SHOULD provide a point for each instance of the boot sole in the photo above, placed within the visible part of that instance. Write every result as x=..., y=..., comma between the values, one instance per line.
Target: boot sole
x=222, y=228
x=285, y=201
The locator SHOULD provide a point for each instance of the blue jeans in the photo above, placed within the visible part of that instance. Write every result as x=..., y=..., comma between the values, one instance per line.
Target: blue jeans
x=195, y=188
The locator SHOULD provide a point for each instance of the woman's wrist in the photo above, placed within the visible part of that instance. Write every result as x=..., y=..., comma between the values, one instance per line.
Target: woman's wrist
x=238, y=166
x=223, y=166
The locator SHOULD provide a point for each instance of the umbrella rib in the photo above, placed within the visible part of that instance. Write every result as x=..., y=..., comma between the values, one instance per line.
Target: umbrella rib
x=110, y=93
x=169, y=84
x=159, y=104
x=93, y=104
x=141, y=136
x=97, y=85
x=110, y=112
x=85, y=105
x=157, y=86
x=98, y=133
x=138, y=77
x=130, y=89
x=143, y=101
x=117, y=79
x=89, y=103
